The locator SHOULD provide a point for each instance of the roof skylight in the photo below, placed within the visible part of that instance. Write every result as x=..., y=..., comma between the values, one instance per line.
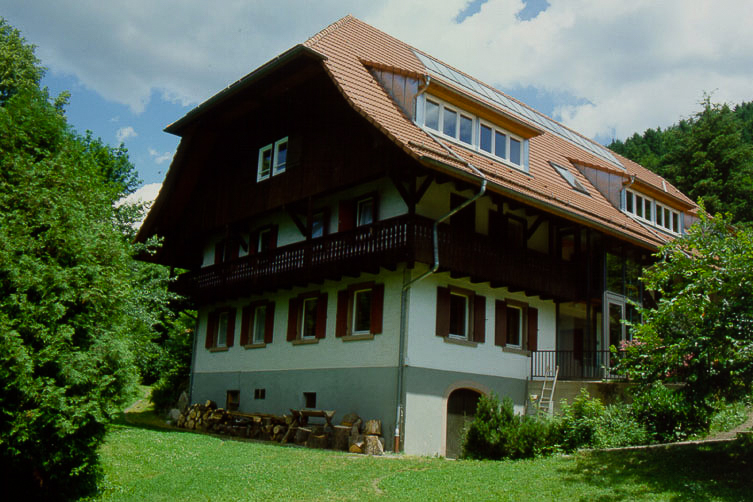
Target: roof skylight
x=443, y=71
x=569, y=177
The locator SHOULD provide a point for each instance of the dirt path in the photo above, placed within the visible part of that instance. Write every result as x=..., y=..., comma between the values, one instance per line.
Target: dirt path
x=745, y=426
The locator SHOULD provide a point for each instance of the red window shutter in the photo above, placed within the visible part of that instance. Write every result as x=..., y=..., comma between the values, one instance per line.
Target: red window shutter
x=500, y=323
x=443, y=311
x=253, y=242
x=321, y=316
x=346, y=215
x=533, y=328
x=479, y=319
x=377, y=307
x=211, y=330
x=269, y=323
x=341, y=322
x=294, y=309
x=230, y=327
x=232, y=249
x=247, y=320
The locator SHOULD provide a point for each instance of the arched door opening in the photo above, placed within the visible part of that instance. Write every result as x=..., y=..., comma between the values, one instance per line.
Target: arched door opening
x=461, y=408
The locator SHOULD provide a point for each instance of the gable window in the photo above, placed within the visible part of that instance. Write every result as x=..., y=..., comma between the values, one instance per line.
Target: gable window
x=272, y=159
x=220, y=329
x=359, y=310
x=257, y=324
x=431, y=119
x=516, y=325
x=307, y=317
x=461, y=314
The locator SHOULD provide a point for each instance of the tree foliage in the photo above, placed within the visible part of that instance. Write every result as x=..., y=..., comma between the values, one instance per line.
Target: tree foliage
x=708, y=157
x=69, y=304
x=701, y=331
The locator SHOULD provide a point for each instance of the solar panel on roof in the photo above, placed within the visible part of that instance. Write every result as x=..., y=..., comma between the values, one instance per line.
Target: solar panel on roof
x=438, y=68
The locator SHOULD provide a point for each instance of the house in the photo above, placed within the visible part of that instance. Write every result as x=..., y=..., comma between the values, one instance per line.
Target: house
x=367, y=229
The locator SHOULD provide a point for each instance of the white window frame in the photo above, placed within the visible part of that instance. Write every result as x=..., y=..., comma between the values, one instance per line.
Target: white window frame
x=519, y=345
x=277, y=166
x=260, y=239
x=476, y=123
x=668, y=214
x=261, y=173
x=302, y=335
x=359, y=213
x=258, y=330
x=355, y=312
x=223, y=321
x=467, y=323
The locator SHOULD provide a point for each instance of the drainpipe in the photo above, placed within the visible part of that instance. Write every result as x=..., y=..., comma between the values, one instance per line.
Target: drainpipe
x=432, y=270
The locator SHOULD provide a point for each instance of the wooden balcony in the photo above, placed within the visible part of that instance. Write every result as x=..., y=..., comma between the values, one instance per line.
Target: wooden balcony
x=385, y=244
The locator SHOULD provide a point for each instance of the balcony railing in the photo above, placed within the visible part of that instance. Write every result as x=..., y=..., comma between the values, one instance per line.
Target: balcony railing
x=574, y=364
x=385, y=244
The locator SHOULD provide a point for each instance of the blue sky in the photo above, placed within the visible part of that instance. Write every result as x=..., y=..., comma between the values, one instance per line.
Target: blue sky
x=607, y=68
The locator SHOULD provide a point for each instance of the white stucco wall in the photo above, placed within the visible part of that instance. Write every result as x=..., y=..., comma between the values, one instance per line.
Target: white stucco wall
x=329, y=352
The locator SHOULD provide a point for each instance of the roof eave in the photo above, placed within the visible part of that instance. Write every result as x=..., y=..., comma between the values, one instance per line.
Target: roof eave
x=300, y=50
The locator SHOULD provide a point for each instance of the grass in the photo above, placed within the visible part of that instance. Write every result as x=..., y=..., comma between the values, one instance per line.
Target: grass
x=141, y=462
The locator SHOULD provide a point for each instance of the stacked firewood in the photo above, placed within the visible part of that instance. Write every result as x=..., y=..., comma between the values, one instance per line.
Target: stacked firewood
x=353, y=434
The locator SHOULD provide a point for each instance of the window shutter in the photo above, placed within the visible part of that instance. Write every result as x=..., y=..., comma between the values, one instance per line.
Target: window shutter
x=247, y=320
x=294, y=308
x=321, y=316
x=269, y=323
x=533, y=328
x=230, y=327
x=443, y=311
x=232, y=249
x=377, y=306
x=500, y=323
x=341, y=322
x=253, y=242
x=479, y=318
x=346, y=215
x=211, y=329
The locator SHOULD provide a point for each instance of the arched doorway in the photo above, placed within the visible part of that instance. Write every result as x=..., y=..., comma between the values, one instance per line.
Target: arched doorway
x=461, y=408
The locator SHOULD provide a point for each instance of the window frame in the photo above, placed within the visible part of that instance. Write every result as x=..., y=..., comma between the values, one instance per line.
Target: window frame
x=297, y=317
x=475, y=315
x=345, y=324
x=359, y=202
x=275, y=166
x=670, y=218
x=262, y=174
x=521, y=310
x=476, y=124
x=250, y=318
x=213, y=330
x=528, y=327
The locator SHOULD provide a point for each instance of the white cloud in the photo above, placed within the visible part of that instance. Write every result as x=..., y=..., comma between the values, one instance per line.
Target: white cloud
x=626, y=65
x=124, y=133
x=160, y=158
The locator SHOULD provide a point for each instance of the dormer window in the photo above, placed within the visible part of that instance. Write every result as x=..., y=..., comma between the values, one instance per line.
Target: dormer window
x=455, y=124
x=272, y=159
x=650, y=211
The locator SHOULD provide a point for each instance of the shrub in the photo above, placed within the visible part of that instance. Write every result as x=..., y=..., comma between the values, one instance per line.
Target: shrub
x=619, y=427
x=496, y=432
x=578, y=422
x=667, y=414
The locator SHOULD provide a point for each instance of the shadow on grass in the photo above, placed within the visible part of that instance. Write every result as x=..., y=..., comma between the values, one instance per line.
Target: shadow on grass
x=703, y=471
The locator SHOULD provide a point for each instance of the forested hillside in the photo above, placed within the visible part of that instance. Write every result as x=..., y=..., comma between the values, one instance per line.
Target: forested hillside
x=708, y=156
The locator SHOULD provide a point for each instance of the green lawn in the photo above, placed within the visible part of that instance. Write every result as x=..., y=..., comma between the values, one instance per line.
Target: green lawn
x=144, y=463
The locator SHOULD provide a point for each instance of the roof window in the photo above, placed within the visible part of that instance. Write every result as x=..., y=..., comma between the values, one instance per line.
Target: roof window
x=569, y=177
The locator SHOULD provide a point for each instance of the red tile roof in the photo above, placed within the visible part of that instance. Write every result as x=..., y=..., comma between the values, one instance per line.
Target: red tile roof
x=349, y=45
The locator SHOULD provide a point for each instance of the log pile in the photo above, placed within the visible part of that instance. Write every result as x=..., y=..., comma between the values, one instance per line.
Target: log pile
x=352, y=434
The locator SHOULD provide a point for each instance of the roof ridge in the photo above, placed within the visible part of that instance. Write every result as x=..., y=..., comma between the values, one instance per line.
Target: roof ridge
x=314, y=39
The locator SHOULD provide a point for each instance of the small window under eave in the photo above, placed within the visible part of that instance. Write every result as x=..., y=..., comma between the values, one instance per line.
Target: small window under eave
x=569, y=177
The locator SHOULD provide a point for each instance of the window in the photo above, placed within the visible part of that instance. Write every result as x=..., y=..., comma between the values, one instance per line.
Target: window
x=652, y=212
x=264, y=239
x=463, y=127
x=257, y=324
x=281, y=156
x=569, y=177
x=307, y=317
x=516, y=325
x=359, y=310
x=319, y=224
x=461, y=314
x=220, y=329
x=232, y=400
x=365, y=212
x=273, y=159
x=309, y=399
x=260, y=393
